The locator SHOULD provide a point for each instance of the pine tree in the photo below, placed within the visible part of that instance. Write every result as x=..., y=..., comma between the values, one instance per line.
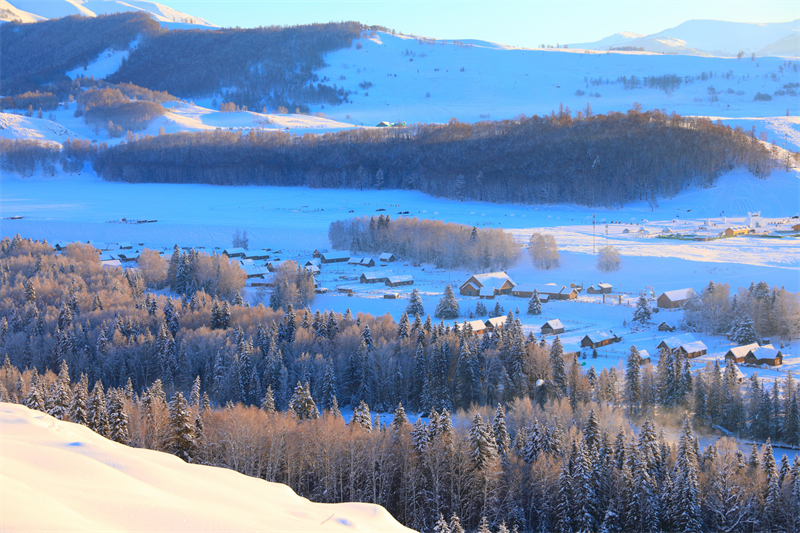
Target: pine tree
x=329, y=391
x=268, y=403
x=302, y=404
x=455, y=524
x=441, y=525
x=535, y=304
x=557, y=369
x=117, y=418
x=415, y=306
x=448, y=305
x=643, y=312
x=98, y=415
x=480, y=309
x=482, y=443
x=501, y=436
x=686, y=485
x=34, y=399
x=79, y=410
x=745, y=331
x=181, y=428
x=361, y=417
x=30, y=292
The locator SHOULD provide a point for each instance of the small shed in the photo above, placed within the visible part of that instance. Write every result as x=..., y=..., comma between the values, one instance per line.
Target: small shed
x=387, y=258
x=110, y=263
x=496, y=282
x=644, y=357
x=256, y=255
x=666, y=327
x=552, y=327
x=318, y=252
x=391, y=296
x=599, y=338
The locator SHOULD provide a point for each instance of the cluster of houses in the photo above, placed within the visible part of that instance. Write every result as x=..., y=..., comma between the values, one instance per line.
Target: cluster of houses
x=491, y=284
x=755, y=354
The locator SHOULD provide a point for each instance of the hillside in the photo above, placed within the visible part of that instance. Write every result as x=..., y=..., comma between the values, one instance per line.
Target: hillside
x=9, y=13
x=92, y=8
x=713, y=38
x=89, y=483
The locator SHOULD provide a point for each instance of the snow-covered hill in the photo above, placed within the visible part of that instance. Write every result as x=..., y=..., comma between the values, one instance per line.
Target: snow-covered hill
x=59, y=476
x=9, y=13
x=713, y=38
x=91, y=8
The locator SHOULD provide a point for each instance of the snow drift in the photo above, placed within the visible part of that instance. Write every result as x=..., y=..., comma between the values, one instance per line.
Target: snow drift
x=88, y=483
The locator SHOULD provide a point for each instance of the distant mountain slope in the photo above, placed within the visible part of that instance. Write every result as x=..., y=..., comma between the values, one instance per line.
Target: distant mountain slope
x=91, y=8
x=714, y=37
x=9, y=13
x=88, y=483
x=42, y=53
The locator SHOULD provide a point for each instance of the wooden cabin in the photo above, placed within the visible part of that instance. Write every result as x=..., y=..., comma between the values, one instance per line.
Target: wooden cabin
x=675, y=299
x=738, y=353
x=375, y=277
x=397, y=281
x=666, y=327
x=477, y=326
x=387, y=258
x=496, y=282
x=234, y=252
x=692, y=349
x=764, y=356
x=495, y=323
x=334, y=257
x=599, y=338
x=551, y=291
x=552, y=327
x=600, y=288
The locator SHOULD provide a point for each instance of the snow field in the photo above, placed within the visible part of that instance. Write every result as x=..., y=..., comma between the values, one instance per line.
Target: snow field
x=89, y=483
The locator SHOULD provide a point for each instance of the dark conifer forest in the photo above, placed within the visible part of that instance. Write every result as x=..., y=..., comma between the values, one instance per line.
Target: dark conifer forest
x=516, y=433
x=600, y=160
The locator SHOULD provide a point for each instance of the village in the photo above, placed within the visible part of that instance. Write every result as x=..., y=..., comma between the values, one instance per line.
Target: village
x=593, y=321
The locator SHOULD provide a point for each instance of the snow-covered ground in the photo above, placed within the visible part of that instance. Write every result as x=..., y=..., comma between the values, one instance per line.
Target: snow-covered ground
x=92, y=8
x=60, y=476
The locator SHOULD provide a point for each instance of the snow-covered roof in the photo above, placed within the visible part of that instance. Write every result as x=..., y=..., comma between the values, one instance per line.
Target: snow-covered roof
x=494, y=280
x=548, y=288
x=476, y=325
x=554, y=324
x=330, y=256
x=644, y=354
x=597, y=336
x=256, y=253
x=692, y=347
x=234, y=251
x=762, y=352
x=110, y=263
x=496, y=322
x=741, y=351
x=380, y=274
x=486, y=291
x=679, y=294
x=386, y=256
x=674, y=342
x=605, y=285
x=401, y=278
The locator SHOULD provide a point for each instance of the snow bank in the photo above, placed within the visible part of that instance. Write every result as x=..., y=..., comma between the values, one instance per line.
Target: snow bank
x=59, y=476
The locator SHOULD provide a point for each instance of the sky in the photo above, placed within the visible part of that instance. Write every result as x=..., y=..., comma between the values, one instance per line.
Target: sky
x=524, y=23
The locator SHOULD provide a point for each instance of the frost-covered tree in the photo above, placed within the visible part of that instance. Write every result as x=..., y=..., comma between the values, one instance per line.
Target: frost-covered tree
x=361, y=417
x=302, y=404
x=633, y=386
x=543, y=250
x=643, y=312
x=448, y=305
x=608, y=258
x=744, y=331
x=415, y=306
x=181, y=429
x=558, y=369
x=535, y=304
x=118, y=423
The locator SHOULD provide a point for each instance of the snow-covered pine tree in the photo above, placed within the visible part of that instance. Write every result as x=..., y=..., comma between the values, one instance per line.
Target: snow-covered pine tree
x=501, y=436
x=361, y=417
x=400, y=418
x=480, y=309
x=79, y=410
x=441, y=525
x=181, y=429
x=302, y=404
x=98, y=414
x=268, y=403
x=329, y=391
x=643, y=312
x=34, y=399
x=745, y=331
x=482, y=443
x=117, y=417
x=455, y=524
x=448, y=305
x=535, y=304
x=686, y=484
x=415, y=306
x=557, y=369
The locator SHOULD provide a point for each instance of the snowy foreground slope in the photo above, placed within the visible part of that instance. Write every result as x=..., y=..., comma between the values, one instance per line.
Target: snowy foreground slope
x=59, y=476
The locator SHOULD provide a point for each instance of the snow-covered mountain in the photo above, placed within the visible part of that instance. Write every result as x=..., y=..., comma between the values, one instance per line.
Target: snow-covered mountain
x=91, y=8
x=713, y=38
x=60, y=476
x=9, y=13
